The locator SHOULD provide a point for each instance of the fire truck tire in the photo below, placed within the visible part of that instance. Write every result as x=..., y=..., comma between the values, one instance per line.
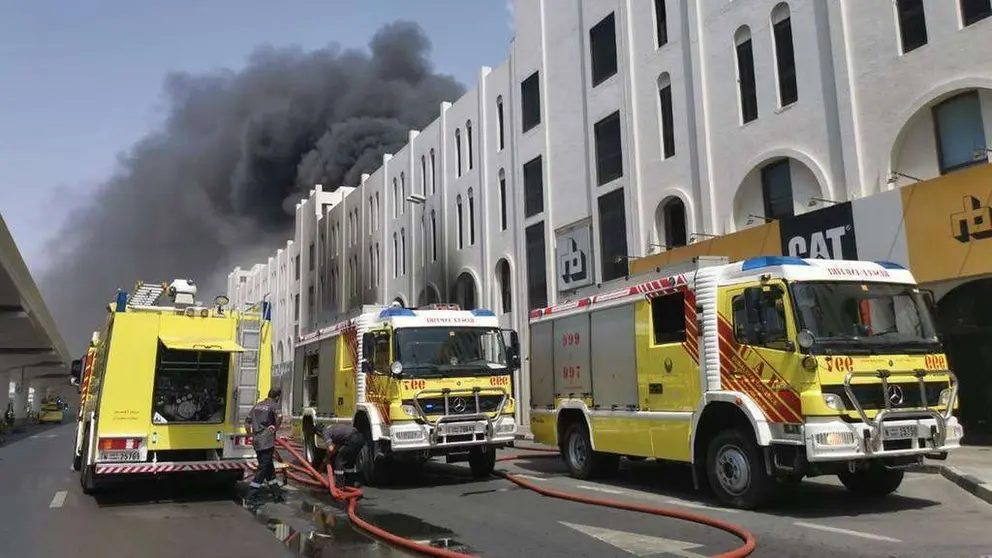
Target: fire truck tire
x=736, y=470
x=584, y=463
x=373, y=470
x=87, y=480
x=77, y=460
x=874, y=482
x=311, y=452
x=482, y=461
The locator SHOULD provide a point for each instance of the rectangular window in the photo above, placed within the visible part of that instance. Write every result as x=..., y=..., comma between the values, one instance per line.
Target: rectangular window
x=311, y=299
x=776, y=190
x=613, y=234
x=609, y=151
x=603, y=49
x=468, y=136
x=785, y=60
x=530, y=102
x=296, y=307
x=668, y=318
x=297, y=265
x=533, y=187
x=502, y=203
x=960, y=132
x=312, y=256
x=433, y=173
x=912, y=24
x=471, y=221
x=973, y=11
x=458, y=152
x=181, y=375
x=667, y=122
x=537, y=281
x=403, y=249
x=746, y=81
x=660, y=23
x=371, y=282
x=423, y=174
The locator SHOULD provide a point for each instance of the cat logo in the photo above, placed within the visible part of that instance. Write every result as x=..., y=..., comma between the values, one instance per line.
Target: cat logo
x=973, y=222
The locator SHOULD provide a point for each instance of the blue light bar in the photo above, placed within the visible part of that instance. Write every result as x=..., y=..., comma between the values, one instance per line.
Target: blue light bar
x=395, y=312
x=769, y=261
x=121, y=300
x=890, y=265
x=482, y=313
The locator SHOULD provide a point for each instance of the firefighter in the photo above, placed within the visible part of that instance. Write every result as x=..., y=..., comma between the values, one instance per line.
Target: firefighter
x=344, y=443
x=262, y=423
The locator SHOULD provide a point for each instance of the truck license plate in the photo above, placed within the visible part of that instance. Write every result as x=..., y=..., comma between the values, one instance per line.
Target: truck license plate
x=120, y=456
x=455, y=429
x=900, y=432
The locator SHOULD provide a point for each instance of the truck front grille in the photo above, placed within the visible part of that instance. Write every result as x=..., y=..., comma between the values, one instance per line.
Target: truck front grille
x=458, y=404
x=872, y=397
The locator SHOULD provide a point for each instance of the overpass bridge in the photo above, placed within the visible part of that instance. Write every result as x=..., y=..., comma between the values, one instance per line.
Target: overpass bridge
x=33, y=354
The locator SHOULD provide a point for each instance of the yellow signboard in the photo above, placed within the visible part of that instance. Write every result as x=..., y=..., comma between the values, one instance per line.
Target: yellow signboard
x=763, y=240
x=948, y=225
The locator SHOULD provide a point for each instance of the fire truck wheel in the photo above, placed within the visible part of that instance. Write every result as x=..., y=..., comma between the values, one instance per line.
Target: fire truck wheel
x=875, y=481
x=77, y=460
x=482, y=461
x=736, y=471
x=311, y=452
x=582, y=461
x=373, y=470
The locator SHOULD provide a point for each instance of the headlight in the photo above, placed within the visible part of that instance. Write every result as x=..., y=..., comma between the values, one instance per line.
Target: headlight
x=945, y=397
x=834, y=401
x=410, y=410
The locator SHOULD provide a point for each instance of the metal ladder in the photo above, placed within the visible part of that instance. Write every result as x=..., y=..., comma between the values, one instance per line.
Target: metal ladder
x=246, y=384
x=145, y=294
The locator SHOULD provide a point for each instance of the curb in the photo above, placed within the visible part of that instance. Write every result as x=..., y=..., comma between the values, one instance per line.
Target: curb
x=969, y=483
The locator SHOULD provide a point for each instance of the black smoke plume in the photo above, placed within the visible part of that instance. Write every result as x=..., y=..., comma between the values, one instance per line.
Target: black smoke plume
x=216, y=186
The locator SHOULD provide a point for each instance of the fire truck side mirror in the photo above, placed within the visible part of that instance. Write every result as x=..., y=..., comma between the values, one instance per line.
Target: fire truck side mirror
x=75, y=371
x=368, y=344
x=512, y=340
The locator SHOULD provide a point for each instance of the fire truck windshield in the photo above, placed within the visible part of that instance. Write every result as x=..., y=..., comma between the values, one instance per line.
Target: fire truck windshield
x=881, y=317
x=439, y=351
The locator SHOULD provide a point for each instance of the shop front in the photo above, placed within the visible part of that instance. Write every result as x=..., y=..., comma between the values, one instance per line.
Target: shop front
x=941, y=229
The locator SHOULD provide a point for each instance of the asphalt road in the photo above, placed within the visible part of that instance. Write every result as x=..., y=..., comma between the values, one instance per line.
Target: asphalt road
x=43, y=512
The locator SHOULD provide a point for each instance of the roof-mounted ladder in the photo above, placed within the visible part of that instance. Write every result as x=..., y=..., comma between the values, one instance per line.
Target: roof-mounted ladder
x=145, y=294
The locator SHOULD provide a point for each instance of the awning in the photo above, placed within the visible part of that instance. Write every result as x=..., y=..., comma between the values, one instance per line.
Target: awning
x=200, y=344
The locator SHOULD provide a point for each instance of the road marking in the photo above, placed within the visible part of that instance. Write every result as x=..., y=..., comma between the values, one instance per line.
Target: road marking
x=599, y=489
x=44, y=436
x=637, y=544
x=531, y=477
x=845, y=531
x=683, y=503
x=58, y=500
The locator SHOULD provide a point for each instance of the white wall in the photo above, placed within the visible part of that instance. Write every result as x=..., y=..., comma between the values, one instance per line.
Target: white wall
x=863, y=108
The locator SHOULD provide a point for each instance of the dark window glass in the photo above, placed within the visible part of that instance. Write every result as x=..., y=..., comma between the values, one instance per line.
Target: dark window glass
x=973, y=11
x=668, y=318
x=660, y=23
x=533, y=187
x=785, y=59
x=537, y=281
x=746, y=83
x=613, y=234
x=667, y=121
x=530, y=102
x=603, y=49
x=776, y=189
x=912, y=24
x=609, y=151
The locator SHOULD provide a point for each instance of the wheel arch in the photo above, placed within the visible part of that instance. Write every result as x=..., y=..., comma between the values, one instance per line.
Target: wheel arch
x=568, y=413
x=719, y=411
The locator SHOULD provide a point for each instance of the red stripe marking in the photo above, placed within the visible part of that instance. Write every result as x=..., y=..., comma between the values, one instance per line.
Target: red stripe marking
x=776, y=407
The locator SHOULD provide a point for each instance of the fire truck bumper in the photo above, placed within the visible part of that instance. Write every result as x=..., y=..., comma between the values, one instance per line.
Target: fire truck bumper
x=828, y=439
x=412, y=436
x=173, y=467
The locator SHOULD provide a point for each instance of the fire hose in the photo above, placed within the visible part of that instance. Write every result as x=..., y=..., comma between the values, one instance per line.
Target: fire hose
x=351, y=495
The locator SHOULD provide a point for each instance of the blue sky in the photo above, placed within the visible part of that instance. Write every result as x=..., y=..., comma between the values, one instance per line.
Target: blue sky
x=81, y=81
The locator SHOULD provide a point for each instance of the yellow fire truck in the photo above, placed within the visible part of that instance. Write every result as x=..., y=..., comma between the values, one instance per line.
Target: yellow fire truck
x=771, y=368
x=166, y=386
x=418, y=383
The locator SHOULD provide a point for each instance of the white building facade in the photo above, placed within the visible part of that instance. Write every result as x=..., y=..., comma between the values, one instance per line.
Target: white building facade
x=621, y=128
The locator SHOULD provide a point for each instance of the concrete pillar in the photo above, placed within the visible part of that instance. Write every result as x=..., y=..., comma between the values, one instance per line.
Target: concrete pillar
x=20, y=398
x=39, y=396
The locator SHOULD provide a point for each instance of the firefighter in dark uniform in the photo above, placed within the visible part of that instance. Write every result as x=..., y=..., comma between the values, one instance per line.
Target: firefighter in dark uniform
x=344, y=443
x=262, y=423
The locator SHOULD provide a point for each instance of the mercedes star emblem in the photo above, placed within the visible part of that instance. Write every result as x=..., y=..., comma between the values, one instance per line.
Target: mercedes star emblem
x=895, y=395
x=458, y=405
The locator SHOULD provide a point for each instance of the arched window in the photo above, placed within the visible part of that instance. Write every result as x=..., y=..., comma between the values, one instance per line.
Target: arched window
x=671, y=223
x=433, y=173
x=403, y=251
x=471, y=218
x=746, y=84
x=433, y=236
x=505, y=282
x=499, y=123
x=396, y=198
x=785, y=56
x=468, y=137
x=502, y=200
x=666, y=115
x=402, y=193
x=396, y=256
x=375, y=213
x=461, y=218
x=458, y=152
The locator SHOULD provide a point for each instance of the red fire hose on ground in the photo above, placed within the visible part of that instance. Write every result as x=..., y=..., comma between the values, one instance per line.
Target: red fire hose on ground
x=351, y=495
